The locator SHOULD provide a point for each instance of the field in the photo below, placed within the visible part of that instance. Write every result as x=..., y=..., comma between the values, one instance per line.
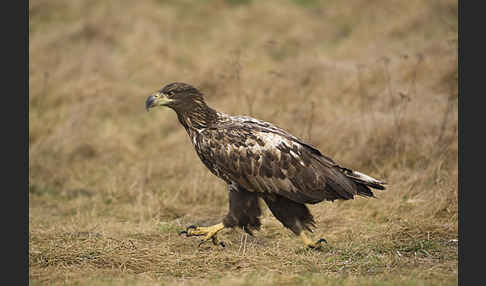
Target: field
x=372, y=84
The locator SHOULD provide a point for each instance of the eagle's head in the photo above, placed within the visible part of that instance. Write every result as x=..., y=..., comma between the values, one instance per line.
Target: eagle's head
x=177, y=95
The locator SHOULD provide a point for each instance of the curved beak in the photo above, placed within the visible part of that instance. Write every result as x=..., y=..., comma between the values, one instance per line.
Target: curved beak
x=157, y=99
x=149, y=102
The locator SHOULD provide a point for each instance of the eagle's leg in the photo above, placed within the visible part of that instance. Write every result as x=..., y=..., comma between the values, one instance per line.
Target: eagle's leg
x=310, y=243
x=294, y=216
x=209, y=232
x=244, y=211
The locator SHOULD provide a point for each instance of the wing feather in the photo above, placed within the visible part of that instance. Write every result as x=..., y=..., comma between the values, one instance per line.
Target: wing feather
x=264, y=158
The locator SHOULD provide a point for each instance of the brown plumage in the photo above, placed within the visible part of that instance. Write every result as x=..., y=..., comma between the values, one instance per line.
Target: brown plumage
x=260, y=160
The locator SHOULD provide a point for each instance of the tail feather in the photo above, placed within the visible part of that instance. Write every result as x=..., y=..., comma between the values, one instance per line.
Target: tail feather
x=364, y=182
x=364, y=191
x=367, y=180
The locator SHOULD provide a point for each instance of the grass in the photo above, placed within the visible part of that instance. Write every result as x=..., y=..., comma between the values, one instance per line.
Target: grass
x=372, y=85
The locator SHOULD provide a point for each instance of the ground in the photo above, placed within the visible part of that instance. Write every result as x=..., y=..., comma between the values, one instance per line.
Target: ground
x=373, y=85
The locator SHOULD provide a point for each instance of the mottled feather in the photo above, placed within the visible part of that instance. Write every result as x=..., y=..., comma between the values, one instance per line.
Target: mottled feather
x=262, y=157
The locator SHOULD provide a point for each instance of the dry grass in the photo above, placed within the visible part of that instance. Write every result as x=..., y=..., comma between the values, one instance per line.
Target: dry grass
x=372, y=84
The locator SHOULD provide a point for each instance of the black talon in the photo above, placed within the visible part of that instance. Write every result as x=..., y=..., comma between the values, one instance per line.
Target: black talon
x=187, y=228
x=214, y=240
x=322, y=240
x=202, y=241
x=217, y=242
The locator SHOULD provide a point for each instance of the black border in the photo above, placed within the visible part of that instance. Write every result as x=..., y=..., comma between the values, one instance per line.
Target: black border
x=16, y=127
x=15, y=141
x=470, y=264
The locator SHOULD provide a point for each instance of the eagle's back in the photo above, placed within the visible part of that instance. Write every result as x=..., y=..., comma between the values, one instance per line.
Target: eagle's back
x=262, y=157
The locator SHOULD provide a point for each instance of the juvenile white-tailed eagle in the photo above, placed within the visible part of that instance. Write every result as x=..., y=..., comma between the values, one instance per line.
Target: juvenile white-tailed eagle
x=260, y=160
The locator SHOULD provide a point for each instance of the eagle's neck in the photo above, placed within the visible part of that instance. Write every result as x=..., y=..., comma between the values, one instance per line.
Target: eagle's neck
x=197, y=117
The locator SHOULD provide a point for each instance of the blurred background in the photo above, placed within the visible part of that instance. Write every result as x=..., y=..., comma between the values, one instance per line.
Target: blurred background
x=372, y=84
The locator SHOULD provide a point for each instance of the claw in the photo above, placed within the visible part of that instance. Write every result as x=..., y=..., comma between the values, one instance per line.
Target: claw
x=311, y=244
x=321, y=240
x=208, y=231
x=217, y=242
x=201, y=242
x=214, y=240
x=186, y=231
x=318, y=244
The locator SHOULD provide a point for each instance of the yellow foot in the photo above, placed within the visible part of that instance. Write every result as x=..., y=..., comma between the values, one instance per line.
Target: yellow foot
x=209, y=232
x=311, y=244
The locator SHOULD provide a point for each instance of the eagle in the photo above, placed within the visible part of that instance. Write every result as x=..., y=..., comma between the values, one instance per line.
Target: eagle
x=260, y=161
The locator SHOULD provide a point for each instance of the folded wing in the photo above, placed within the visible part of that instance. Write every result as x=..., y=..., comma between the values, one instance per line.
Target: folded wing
x=263, y=158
